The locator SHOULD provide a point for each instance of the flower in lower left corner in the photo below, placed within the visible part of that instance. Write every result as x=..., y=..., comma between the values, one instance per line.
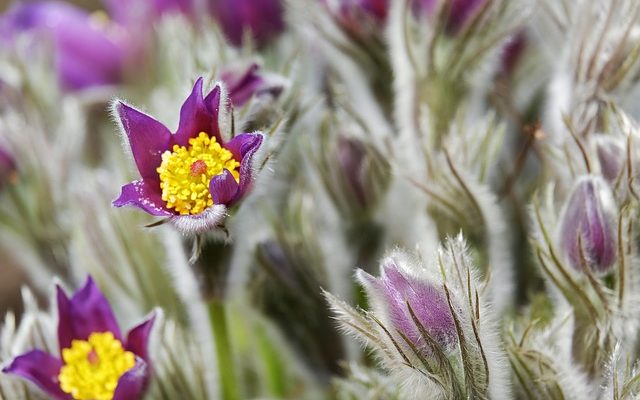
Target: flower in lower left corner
x=95, y=362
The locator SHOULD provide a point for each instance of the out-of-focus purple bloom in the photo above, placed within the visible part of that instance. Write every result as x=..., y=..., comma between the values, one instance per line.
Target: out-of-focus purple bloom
x=87, y=52
x=589, y=219
x=7, y=167
x=244, y=82
x=361, y=18
x=395, y=291
x=263, y=19
x=460, y=11
x=128, y=12
x=95, y=360
x=192, y=176
x=512, y=53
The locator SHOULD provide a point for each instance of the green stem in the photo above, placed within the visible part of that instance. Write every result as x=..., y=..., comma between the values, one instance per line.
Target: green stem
x=226, y=370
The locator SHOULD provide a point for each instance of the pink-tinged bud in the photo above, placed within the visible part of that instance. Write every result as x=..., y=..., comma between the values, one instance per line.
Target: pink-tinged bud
x=611, y=157
x=263, y=19
x=7, y=167
x=512, y=53
x=395, y=291
x=246, y=81
x=588, y=231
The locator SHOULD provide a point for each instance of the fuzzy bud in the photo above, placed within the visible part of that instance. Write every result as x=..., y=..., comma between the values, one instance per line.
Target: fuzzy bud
x=611, y=157
x=359, y=18
x=400, y=295
x=587, y=231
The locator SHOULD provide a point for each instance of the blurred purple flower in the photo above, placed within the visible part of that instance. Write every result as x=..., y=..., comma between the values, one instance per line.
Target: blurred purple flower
x=128, y=12
x=395, y=291
x=87, y=52
x=95, y=360
x=460, y=11
x=244, y=82
x=263, y=19
x=193, y=176
x=589, y=219
x=7, y=167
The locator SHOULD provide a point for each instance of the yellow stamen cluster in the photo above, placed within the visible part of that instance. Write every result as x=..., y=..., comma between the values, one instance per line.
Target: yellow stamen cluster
x=185, y=173
x=94, y=366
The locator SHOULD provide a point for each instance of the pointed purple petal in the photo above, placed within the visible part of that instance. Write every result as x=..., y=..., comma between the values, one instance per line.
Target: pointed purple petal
x=138, y=338
x=244, y=147
x=148, y=139
x=40, y=368
x=144, y=196
x=132, y=385
x=223, y=188
x=198, y=115
x=88, y=311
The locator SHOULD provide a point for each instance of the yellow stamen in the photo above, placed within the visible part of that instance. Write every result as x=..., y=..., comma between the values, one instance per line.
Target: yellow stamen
x=94, y=366
x=185, y=173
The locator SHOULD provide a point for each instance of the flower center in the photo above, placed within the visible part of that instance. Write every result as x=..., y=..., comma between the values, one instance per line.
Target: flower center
x=94, y=366
x=185, y=173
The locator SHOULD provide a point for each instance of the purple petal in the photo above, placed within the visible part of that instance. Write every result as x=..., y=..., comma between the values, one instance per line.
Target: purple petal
x=132, y=385
x=148, y=139
x=88, y=311
x=128, y=12
x=138, y=338
x=198, y=115
x=223, y=188
x=40, y=368
x=246, y=148
x=144, y=196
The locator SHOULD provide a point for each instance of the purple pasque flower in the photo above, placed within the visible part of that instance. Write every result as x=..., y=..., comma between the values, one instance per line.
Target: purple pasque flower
x=395, y=291
x=87, y=52
x=95, y=360
x=262, y=19
x=246, y=81
x=361, y=18
x=587, y=230
x=192, y=176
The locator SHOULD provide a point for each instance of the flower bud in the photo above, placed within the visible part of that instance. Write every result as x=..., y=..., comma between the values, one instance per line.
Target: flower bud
x=587, y=231
x=245, y=81
x=263, y=19
x=460, y=11
x=611, y=157
x=395, y=291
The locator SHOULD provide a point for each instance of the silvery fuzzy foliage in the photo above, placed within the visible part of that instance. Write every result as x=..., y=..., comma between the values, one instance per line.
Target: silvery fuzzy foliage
x=468, y=364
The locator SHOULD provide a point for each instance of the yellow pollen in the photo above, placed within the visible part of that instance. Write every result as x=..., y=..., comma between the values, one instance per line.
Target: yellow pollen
x=185, y=173
x=93, y=367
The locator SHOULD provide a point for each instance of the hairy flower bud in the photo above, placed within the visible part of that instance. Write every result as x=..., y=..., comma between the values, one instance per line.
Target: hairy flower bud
x=587, y=231
x=403, y=297
x=360, y=18
x=611, y=157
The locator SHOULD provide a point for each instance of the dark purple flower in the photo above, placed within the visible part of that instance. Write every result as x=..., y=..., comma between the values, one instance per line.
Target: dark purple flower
x=512, y=52
x=244, y=82
x=588, y=226
x=87, y=53
x=361, y=18
x=395, y=289
x=7, y=167
x=263, y=19
x=95, y=360
x=192, y=176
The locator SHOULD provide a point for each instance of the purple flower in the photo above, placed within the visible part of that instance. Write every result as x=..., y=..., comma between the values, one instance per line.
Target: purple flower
x=263, y=19
x=95, y=360
x=87, y=53
x=588, y=226
x=244, y=82
x=360, y=18
x=611, y=157
x=128, y=12
x=192, y=176
x=7, y=167
x=395, y=291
